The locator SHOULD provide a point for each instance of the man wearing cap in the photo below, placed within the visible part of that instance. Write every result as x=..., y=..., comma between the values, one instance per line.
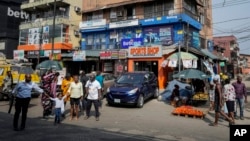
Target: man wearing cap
x=241, y=93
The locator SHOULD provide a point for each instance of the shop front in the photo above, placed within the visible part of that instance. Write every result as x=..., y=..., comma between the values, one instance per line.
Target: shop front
x=113, y=61
x=147, y=59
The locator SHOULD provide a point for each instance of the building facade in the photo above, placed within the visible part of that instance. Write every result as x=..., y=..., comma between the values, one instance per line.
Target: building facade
x=230, y=51
x=142, y=29
x=36, y=32
x=11, y=16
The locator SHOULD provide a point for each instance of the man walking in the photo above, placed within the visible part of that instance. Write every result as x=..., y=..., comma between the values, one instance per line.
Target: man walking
x=83, y=78
x=23, y=95
x=93, y=89
x=241, y=93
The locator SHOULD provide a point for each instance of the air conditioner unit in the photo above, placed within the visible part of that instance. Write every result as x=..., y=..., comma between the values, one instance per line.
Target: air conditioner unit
x=77, y=9
x=76, y=33
x=119, y=13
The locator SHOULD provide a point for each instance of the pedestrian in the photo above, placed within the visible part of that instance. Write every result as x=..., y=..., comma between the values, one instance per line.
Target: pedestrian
x=83, y=78
x=229, y=96
x=47, y=80
x=93, y=89
x=241, y=96
x=76, y=95
x=23, y=95
x=65, y=87
x=211, y=94
x=218, y=102
x=100, y=79
x=8, y=81
x=59, y=106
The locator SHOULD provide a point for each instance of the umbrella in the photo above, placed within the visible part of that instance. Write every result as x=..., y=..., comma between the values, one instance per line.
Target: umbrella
x=184, y=55
x=49, y=64
x=191, y=74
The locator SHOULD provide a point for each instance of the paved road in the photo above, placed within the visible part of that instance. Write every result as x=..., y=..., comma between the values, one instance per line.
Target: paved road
x=153, y=122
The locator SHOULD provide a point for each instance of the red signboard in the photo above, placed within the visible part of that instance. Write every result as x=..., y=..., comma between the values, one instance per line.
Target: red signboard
x=119, y=68
x=105, y=54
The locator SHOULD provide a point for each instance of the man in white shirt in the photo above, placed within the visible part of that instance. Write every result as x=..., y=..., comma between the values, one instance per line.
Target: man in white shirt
x=76, y=92
x=93, y=90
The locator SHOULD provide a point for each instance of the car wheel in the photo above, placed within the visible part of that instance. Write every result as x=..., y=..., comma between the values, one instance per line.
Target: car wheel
x=140, y=101
x=156, y=93
x=110, y=104
x=1, y=96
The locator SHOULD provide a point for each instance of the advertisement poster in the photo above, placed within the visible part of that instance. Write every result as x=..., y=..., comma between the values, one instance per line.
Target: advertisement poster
x=196, y=40
x=79, y=55
x=18, y=54
x=126, y=43
x=46, y=35
x=158, y=35
x=33, y=36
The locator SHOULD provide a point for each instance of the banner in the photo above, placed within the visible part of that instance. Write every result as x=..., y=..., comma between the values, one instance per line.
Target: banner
x=18, y=54
x=79, y=55
x=126, y=43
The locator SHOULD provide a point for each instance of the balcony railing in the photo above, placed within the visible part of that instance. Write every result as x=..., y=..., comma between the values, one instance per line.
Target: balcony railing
x=46, y=21
x=27, y=4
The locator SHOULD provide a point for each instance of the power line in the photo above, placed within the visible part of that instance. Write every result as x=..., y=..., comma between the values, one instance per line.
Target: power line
x=232, y=20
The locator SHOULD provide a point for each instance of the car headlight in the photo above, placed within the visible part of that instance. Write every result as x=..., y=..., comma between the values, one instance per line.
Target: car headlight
x=133, y=91
x=108, y=90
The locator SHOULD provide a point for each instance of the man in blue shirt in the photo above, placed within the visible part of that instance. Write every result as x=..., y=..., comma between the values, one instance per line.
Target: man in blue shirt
x=99, y=78
x=22, y=91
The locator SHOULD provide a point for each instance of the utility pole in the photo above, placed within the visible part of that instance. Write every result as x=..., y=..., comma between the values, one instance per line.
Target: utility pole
x=179, y=56
x=53, y=30
x=187, y=36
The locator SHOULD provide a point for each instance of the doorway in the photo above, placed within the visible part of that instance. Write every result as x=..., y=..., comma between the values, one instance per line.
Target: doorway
x=146, y=66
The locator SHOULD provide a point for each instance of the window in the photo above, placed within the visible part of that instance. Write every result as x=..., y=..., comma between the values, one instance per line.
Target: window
x=130, y=12
x=158, y=8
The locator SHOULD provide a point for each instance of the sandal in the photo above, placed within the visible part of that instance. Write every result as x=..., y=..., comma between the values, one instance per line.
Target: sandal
x=214, y=124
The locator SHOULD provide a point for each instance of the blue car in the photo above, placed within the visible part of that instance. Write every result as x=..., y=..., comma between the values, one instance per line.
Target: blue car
x=133, y=88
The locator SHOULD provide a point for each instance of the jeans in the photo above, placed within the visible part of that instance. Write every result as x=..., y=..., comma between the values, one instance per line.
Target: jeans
x=57, y=115
x=22, y=104
x=240, y=102
x=89, y=104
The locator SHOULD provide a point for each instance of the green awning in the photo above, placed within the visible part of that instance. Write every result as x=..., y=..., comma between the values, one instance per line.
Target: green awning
x=93, y=53
x=209, y=54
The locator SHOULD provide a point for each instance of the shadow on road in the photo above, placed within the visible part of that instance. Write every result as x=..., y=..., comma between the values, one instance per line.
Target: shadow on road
x=38, y=130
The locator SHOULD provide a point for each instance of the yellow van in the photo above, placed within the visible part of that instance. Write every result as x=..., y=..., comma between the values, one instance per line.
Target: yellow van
x=19, y=71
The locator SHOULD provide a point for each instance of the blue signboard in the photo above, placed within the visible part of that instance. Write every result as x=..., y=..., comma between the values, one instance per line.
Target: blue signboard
x=196, y=40
x=126, y=43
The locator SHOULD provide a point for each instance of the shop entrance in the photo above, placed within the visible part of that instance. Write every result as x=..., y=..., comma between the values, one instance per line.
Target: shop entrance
x=146, y=66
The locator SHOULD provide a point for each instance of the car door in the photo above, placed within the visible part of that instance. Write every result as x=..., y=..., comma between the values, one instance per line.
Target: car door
x=146, y=86
x=153, y=82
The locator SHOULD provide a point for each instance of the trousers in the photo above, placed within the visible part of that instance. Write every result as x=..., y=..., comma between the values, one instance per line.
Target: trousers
x=96, y=105
x=21, y=105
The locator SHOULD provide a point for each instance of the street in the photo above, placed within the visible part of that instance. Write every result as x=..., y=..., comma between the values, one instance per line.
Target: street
x=152, y=122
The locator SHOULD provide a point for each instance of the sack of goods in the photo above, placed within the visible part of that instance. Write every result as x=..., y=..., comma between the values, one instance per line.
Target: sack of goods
x=200, y=96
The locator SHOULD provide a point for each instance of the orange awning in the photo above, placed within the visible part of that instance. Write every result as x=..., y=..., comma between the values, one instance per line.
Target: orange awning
x=57, y=46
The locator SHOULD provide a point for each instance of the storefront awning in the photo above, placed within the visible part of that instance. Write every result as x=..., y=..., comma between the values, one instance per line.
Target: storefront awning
x=167, y=50
x=93, y=53
x=194, y=50
x=57, y=46
x=93, y=30
x=209, y=54
x=183, y=55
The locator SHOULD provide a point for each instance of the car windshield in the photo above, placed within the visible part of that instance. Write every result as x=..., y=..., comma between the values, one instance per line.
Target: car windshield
x=26, y=70
x=130, y=79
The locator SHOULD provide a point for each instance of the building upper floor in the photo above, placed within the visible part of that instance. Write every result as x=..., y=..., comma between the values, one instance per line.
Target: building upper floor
x=229, y=44
x=64, y=11
x=119, y=10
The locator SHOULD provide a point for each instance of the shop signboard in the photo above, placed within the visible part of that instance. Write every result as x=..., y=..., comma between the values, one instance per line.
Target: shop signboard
x=196, y=39
x=126, y=23
x=79, y=55
x=126, y=43
x=92, y=24
x=18, y=54
x=105, y=55
x=145, y=52
x=119, y=68
x=158, y=35
x=47, y=53
x=115, y=54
